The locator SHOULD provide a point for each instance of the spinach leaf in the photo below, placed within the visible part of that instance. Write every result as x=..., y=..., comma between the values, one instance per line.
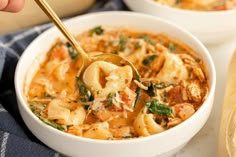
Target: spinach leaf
x=122, y=42
x=128, y=136
x=151, y=89
x=178, y=1
x=147, y=39
x=160, y=85
x=97, y=30
x=197, y=60
x=52, y=124
x=137, y=45
x=172, y=47
x=109, y=100
x=72, y=52
x=37, y=107
x=46, y=95
x=157, y=108
x=85, y=94
x=138, y=94
x=148, y=60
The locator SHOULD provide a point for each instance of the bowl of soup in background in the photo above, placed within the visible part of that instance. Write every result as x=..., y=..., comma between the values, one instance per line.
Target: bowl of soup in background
x=211, y=27
x=163, y=144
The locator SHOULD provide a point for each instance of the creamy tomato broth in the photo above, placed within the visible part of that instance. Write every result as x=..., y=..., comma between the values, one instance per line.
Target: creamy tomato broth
x=106, y=102
x=200, y=5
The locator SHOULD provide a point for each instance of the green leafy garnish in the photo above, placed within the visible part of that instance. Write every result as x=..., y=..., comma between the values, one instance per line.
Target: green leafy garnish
x=157, y=108
x=109, y=100
x=172, y=47
x=46, y=95
x=147, y=39
x=32, y=108
x=128, y=136
x=72, y=52
x=178, y=1
x=151, y=89
x=37, y=107
x=137, y=45
x=52, y=124
x=148, y=60
x=197, y=60
x=164, y=96
x=97, y=30
x=114, y=52
x=85, y=94
x=138, y=94
x=122, y=42
x=160, y=85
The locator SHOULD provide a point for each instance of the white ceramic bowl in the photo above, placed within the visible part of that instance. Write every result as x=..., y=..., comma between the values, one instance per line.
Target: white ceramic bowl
x=210, y=27
x=162, y=144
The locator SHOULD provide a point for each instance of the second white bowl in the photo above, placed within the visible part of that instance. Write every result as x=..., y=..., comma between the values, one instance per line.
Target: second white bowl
x=212, y=27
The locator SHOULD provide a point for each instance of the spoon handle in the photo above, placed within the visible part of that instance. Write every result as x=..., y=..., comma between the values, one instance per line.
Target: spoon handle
x=52, y=15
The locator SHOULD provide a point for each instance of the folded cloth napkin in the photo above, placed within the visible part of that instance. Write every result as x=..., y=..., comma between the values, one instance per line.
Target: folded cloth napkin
x=15, y=139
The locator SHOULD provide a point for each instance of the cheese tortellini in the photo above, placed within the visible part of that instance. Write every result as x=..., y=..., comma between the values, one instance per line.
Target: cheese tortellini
x=145, y=124
x=114, y=78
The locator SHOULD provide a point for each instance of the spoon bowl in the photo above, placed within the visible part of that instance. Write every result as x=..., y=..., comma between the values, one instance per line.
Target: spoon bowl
x=85, y=59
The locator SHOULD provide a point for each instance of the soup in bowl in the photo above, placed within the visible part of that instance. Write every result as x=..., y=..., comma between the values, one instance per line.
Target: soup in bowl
x=106, y=110
x=200, y=5
x=210, y=24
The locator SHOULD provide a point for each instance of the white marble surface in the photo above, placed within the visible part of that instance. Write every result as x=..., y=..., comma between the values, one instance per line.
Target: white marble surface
x=205, y=143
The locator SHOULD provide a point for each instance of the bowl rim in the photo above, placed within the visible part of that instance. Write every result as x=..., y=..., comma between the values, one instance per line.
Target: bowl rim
x=192, y=12
x=23, y=103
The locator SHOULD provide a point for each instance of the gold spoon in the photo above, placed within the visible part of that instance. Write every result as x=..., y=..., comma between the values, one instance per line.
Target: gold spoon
x=86, y=60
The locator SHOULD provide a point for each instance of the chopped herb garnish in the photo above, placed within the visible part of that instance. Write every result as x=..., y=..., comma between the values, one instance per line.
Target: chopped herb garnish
x=158, y=121
x=109, y=101
x=157, y=108
x=37, y=107
x=190, y=72
x=86, y=105
x=72, y=52
x=53, y=124
x=151, y=89
x=85, y=94
x=129, y=136
x=160, y=85
x=178, y=1
x=97, y=30
x=110, y=43
x=46, y=95
x=172, y=47
x=137, y=45
x=122, y=42
x=32, y=108
x=197, y=60
x=138, y=94
x=148, y=60
x=164, y=96
x=146, y=39
x=114, y=52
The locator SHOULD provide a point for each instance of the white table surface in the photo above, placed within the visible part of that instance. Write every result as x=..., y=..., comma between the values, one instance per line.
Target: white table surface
x=205, y=143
